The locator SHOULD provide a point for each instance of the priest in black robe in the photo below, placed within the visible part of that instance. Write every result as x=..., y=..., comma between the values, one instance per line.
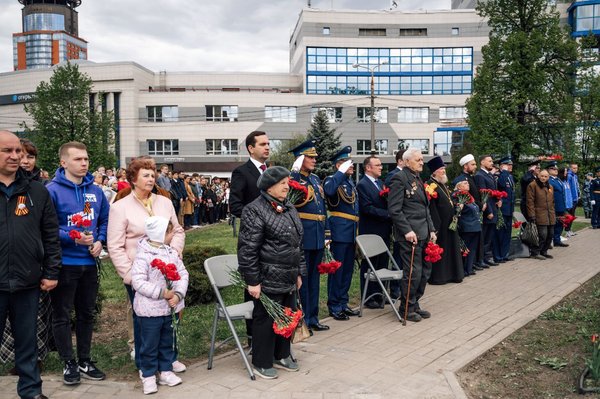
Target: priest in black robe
x=442, y=209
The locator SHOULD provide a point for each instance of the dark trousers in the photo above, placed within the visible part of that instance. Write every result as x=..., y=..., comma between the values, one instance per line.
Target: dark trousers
x=309, y=292
x=421, y=271
x=339, y=282
x=545, y=239
x=266, y=345
x=176, y=205
x=77, y=288
x=22, y=309
x=471, y=241
x=571, y=211
x=156, y=346
x=596, y=215
x=501, y=247
x=488, y=230
x=379, y=262
x=558, y=228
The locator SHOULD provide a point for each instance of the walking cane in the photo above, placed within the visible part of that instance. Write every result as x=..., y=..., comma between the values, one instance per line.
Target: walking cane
x=412, y=259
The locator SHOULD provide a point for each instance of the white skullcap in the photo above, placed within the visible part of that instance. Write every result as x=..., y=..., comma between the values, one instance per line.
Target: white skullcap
x=466, y=159
x=156, y=228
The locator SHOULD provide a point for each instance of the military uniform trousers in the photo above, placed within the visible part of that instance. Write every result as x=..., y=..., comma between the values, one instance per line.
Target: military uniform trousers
x=309, y=292
x=501, y=247
x=339, y=282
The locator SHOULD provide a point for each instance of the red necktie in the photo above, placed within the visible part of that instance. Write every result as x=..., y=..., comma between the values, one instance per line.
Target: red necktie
x=263, y=167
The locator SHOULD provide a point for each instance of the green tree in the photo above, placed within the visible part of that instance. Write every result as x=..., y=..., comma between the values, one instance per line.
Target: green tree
x=62, y=113
x=327, y=143
x=523, y=90
x=281, y=155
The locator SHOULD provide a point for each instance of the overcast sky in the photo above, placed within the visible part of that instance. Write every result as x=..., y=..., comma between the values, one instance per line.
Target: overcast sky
x=197, y=35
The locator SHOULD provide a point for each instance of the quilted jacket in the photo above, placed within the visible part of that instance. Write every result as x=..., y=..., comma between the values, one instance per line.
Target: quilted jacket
x=270, y=246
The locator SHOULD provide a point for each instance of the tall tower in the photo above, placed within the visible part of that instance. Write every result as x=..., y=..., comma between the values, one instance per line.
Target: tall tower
x=50, y=34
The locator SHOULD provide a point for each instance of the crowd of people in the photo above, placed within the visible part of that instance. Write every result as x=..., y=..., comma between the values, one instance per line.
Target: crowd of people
x=55, y=232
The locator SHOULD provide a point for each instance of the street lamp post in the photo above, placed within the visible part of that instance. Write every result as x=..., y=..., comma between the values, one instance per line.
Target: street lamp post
x=372, y=70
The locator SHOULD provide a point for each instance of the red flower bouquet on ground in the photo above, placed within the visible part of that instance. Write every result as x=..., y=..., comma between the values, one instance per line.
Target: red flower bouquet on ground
x=328, y=264
x=297, y=193
x=433, y=252
x=285, y=320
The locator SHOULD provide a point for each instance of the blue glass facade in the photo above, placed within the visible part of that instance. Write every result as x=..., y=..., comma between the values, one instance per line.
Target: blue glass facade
x=39, y=21
x=584, y=16
x=408, y=71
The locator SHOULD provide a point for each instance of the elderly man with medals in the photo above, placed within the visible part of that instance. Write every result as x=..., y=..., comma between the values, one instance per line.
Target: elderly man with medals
x=341, y=195
x=313, y=213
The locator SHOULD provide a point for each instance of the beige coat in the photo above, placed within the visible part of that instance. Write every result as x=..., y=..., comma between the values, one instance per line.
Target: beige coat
x=540, y=202
x=126, y=225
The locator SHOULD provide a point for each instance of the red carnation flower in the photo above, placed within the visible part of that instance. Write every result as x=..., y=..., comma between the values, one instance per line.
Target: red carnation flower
x=75, y=235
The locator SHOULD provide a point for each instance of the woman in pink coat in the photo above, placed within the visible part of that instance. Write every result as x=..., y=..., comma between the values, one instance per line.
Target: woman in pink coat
x=126, y=226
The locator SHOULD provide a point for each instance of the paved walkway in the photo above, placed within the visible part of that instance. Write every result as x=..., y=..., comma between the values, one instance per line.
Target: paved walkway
x=375, y=356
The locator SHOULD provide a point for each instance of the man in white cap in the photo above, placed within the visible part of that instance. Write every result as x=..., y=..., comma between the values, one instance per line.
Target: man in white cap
x=469, y=166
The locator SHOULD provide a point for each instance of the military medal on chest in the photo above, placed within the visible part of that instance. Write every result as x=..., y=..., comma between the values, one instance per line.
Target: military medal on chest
x=21, y=209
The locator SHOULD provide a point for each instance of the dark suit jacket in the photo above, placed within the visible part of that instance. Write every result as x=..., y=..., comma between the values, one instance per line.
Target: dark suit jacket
x=408, y=206
x=391, y=173
x=243, y=188
x=486, y=180
x=374, y=216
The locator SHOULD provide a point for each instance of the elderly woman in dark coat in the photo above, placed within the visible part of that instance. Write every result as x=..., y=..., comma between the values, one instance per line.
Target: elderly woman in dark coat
x=271, y=260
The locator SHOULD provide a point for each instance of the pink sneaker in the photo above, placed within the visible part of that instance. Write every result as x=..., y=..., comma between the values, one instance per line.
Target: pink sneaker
x=149, y=385
x=168, y=378
x=178, y=367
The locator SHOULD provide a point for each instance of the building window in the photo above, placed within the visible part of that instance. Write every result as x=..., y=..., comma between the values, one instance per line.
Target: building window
x=163, y=147
x=280, y=114
x=363, y=147
x=413, y=115
x=408, y=71
x=363, y=115
x=221, y=147
x=421, y=144
x=587, y=17
x=163, y=113
x=326, y=30
x=371, y=32
x=455, y=31
x=453, y=113
x=222, y=113
x=445, y=141
x=413, y=32
x=334, y=114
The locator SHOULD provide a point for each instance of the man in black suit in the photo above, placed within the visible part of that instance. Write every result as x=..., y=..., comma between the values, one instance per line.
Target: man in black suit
x=243, y=189
x=485, y=180
x=374, y=219
x=395, y=284
x=409, y=210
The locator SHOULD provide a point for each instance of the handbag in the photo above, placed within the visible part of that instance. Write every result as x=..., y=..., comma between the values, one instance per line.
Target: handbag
x=529, y=235
x=301, y=332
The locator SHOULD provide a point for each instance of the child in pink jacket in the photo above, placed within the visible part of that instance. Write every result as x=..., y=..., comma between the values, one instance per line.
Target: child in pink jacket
x=154, y=304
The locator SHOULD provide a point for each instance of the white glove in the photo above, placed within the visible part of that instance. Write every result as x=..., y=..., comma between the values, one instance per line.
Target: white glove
x=298, y=164
x=345, y=166
x=593, y=202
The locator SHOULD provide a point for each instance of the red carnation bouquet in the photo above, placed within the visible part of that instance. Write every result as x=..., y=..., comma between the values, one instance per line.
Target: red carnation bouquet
x=170, y=273
x=433, y=252
x=285, y=320
x=498, y=196
x=567, y=219
x=84, y=224
x=460, y=197
x=485, y=194
x=517, y=224
x=328, y=264
x=464, y=251
x=297, y=193
x=385, y=192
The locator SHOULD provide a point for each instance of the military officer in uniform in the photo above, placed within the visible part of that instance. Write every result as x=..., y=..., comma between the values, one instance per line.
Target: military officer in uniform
x=342, y=199
x=595, y=200
x=313, y=214
x=506, y=183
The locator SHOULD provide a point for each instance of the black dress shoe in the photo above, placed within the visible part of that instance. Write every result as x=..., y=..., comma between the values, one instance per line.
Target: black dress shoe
x=339, y=315
x=373, y=305
x=414, y=316
x=423, y=313
x=490, y=262
x=350, y=312
x=319, y=327
x=509, y=259
x=477, y=268
x=561, y=244
x=547, y=256
x=310, y=331
x=500, y=261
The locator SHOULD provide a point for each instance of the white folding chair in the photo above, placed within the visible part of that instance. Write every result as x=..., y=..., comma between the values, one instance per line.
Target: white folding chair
x=218, y=269
x=371, y=245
